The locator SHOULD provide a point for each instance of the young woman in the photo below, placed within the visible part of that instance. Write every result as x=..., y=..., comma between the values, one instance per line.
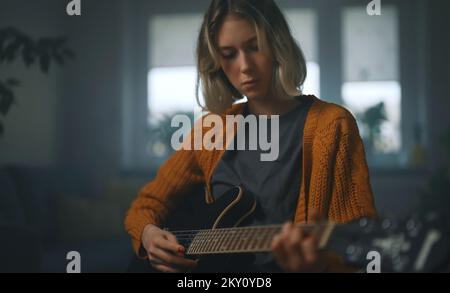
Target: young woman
x=245, y=49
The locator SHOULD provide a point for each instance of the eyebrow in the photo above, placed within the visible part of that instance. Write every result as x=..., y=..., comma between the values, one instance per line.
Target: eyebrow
x=252, y=39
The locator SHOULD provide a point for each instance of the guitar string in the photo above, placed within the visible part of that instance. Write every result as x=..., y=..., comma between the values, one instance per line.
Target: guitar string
x=211, y=234
x=187, y=238
x=181, y=232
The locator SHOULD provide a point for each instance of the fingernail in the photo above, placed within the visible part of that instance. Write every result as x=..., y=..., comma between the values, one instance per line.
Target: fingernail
x=181, y=250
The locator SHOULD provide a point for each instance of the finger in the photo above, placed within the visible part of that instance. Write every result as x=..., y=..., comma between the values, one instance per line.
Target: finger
x=172, y=238
x=288, y=252
x=172, y=259
x=169, y=236
x=286, y=229
x=168, y=243
x=276, y=242
x=294, y=248
x=166, y=269
x=278, y=249
x=154, y=260
x=295, y=237
x=309, y=249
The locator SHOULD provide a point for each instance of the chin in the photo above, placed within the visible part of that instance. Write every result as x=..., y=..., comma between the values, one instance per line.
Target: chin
x=254, y=96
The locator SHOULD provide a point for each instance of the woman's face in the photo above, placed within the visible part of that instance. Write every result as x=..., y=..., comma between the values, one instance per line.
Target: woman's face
x=248, y=68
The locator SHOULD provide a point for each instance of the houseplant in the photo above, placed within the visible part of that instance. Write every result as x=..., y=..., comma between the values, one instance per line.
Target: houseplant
x=16, y=45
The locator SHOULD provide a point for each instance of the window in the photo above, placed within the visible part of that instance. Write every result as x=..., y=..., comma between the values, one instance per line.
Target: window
x=371, y=87
x=303, y=24
x=172, y=76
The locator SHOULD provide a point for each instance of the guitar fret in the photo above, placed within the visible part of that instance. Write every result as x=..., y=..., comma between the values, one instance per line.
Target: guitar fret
x=256, y=239
x=247, y=239
x=191, y=248
x=237, y=242
x=207, y=242
x=235, y=239
x=196, y=242
x=203, y=242
x=200, y=242
x=274, y=231
x=226, y=240
x=222, y=240
x=267, y=238
x=243, y=239
x=220, y=234
x=214, y=239
x=216, y=236
x=252, y=239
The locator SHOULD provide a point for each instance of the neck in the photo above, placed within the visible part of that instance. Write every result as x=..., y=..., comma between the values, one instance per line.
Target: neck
x=243, y=239
x=271, y=106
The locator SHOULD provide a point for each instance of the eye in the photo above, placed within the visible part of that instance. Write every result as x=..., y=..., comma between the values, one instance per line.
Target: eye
x=254, y=48
x=228, y=55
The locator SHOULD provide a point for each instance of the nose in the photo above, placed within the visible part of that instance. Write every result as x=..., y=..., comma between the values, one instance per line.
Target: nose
x=245, y=63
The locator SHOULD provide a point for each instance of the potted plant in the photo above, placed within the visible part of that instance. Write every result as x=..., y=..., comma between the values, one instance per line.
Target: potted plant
x=372, y=119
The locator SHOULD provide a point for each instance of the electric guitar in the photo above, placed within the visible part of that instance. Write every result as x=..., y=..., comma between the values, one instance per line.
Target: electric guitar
x=217, y=236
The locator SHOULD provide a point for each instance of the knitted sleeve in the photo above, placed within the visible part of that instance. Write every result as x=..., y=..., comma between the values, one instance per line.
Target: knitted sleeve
x=177, y=176
x=351, y=192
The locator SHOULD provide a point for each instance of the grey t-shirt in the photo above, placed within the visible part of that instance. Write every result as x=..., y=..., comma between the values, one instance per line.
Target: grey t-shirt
x=274, y=184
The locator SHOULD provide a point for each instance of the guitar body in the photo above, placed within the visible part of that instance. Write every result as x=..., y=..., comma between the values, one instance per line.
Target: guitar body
x=232, y=209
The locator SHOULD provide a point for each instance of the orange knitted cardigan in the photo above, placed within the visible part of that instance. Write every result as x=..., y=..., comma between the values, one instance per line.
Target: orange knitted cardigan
x=334, y=185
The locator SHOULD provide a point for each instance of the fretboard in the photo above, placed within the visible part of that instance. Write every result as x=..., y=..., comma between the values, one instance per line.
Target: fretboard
x=241, y=239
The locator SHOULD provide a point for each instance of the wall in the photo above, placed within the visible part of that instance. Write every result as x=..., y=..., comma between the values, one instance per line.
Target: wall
x=91, y=117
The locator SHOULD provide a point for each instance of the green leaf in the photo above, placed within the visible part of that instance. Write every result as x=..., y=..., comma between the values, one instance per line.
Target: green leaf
x=68, y=53
x=28, y=54
x=59, y=41
x=44, y=62
x=11, y=50
x=6, y=100
x=58, y=58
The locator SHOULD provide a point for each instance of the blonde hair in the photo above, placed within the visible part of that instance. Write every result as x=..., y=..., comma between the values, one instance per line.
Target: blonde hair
x=272, y=30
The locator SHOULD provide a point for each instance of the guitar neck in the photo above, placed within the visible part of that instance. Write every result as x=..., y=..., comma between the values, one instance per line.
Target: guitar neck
x=411, y=245
x=242, y=239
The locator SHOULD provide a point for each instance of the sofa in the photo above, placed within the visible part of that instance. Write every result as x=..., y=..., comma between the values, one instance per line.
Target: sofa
x=46, y=212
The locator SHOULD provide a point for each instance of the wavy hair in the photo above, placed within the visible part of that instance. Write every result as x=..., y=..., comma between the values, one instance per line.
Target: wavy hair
x=272, y=32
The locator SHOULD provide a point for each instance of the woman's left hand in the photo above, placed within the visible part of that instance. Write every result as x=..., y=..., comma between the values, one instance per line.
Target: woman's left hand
x=296, y=252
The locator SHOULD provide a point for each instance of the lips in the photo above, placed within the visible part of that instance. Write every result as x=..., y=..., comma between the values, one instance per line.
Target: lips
x=249, y=82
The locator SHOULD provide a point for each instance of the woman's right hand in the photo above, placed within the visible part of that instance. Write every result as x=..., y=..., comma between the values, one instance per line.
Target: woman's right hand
x=164, y=251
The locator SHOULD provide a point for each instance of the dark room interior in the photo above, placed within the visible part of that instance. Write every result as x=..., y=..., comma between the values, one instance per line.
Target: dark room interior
x=85, y=119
